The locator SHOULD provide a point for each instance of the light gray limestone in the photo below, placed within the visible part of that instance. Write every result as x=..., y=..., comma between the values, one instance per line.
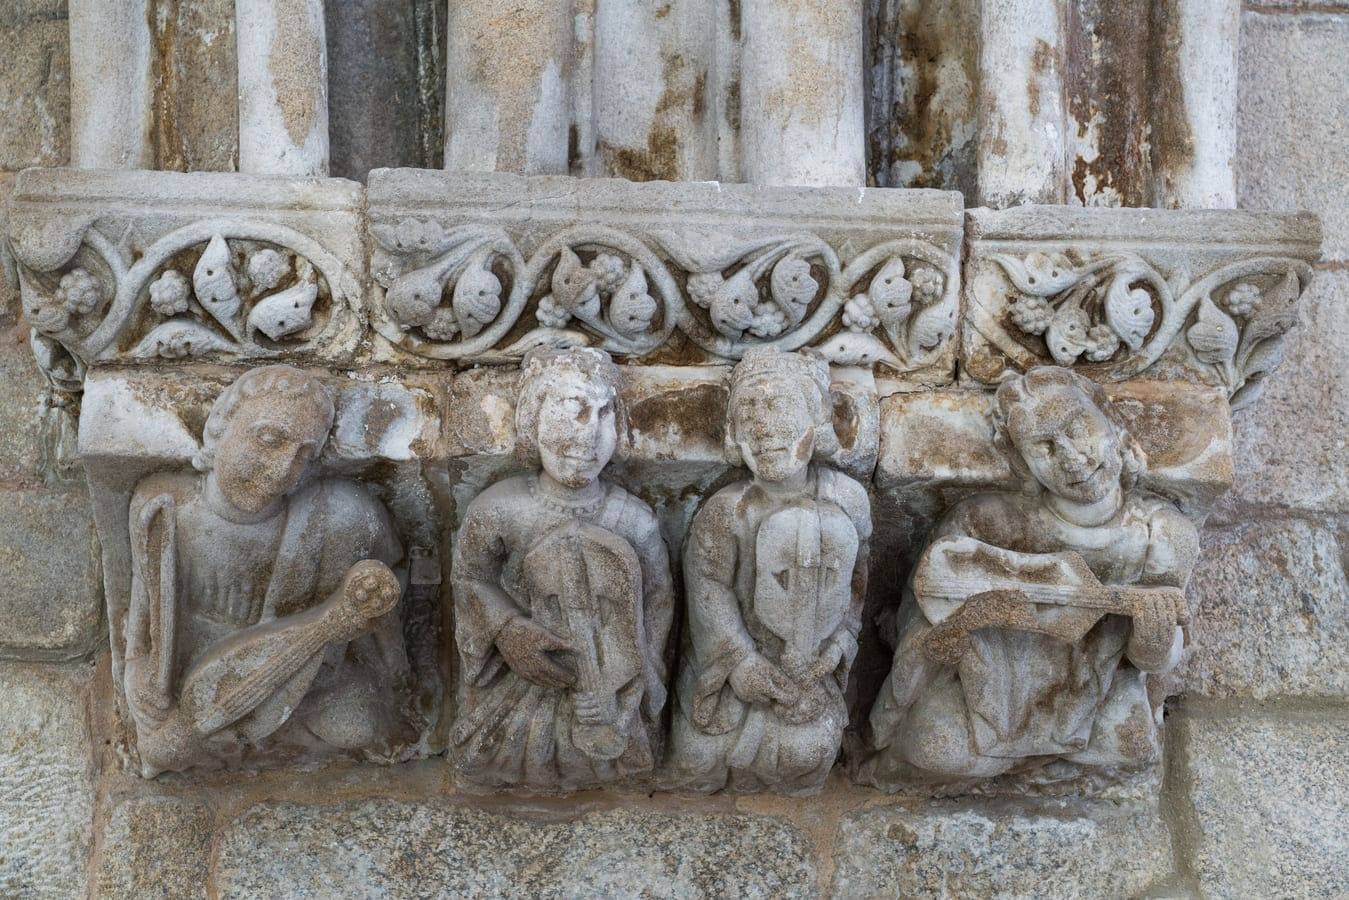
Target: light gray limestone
x=111, y=84
x=482, y=268
x=801, y=116
x=1294, y=101
x=1202, y=296
x=283, y=87
x=1033, y=620
x=1268, y=794
x=563, y=598
x=949, y=850
x=155, y=265
x=380, y=848
x=46, y=783
x=775, y=574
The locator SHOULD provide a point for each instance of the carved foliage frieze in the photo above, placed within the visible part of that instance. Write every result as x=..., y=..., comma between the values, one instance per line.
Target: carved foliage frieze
x=1120, y=294
x=633, y=273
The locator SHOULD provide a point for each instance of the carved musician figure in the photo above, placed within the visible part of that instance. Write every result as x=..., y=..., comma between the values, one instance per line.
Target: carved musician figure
x=263, y=612
x=1032, y=620
x=562, y=598
x=775, y=571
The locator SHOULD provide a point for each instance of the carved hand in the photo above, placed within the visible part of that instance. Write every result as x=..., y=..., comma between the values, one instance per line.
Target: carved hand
x=369, y=590
x=756, y=680
x=594, y=709
x=525, y=647
x=1155, y=620
x=826, y=662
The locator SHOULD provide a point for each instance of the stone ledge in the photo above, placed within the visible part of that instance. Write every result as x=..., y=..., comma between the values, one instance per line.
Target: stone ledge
x=945, y=849
x=378, y=848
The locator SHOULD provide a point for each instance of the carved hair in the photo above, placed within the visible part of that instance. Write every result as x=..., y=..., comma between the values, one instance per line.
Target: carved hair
x=275, y=381
x=1019, y=395
x=542, y=370
x=803, y=371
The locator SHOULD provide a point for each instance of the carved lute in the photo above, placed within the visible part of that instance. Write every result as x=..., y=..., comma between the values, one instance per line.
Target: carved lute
x=267, y=669
x=997, y=588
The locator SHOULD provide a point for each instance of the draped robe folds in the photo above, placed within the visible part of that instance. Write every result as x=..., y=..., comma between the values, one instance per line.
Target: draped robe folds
x=1020, y=695
x=720, y=739
x=324, y=528
x=511, y=732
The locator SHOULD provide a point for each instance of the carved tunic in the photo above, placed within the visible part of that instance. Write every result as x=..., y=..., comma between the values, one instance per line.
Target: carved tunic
x=1020, y=694
x=783, y=578
x=511, y=731
x=234, y=579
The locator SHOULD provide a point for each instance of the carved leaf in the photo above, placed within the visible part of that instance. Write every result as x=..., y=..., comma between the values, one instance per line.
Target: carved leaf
x=632, y=309
x=848, y=348
x=1213, y=335
x=412, y=298
x=556, y=338
x=1128, y=312
x=285, y=312
x=575, y=287
x=216, y=286
x=732, y=306
x=892, y=296
x=1038, y=274
x=931, y=327
x=412, y=236
x=1067, y=334
x=180, y=338
x=793, y=287
x=477, y=297
x=1276, y=313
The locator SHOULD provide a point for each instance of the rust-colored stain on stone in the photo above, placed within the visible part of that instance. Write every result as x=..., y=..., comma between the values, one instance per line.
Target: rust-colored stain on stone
x=296, y=65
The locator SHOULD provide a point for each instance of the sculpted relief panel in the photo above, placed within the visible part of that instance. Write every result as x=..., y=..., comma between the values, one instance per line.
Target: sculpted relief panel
x=585, y=446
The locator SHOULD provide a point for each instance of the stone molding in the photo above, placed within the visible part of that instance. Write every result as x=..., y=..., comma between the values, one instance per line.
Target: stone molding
x=411, y=313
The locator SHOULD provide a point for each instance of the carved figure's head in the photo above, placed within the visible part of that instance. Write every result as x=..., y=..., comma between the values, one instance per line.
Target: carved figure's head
x=1054, y=427
x=263, y=434
x=568, y=413
x=780, y=415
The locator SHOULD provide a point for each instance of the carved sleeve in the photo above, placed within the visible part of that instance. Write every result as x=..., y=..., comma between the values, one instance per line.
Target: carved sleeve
x=481, y=606
x=657, y=605
x=720, y=640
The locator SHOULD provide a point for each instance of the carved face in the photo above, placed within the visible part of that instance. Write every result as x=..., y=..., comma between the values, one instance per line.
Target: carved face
x=266, y=448
x=1069, y=445
x=577, y=431
x=774, y=428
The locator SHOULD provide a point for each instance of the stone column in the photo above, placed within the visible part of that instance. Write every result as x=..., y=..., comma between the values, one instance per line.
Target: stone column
x=1194, y=116
x=651, y=89
x=283, y=87
x=507, y=93
x=801, y=97
x=111, y=89
x=1020, y=151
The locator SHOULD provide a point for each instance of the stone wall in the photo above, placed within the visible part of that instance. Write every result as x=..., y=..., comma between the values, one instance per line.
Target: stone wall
x=1257, y=744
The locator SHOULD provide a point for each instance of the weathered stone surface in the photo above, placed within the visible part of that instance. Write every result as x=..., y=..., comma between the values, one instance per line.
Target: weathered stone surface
x=1294, y=101
x=46, y=792
x=21, y=386
x=1291, y=447
x=679, y=274
x=1270, y=612
x=197, y=119
x=49, y=597
x=34, y=84
x=155, y=847
x=974, y=851
x=383, y=848
x=1269, y=796
x=1119, y=293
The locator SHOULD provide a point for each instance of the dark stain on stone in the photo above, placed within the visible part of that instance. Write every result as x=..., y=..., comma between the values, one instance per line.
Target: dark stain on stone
x=733, y=7
x=1172, y=140
x=694, y=412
